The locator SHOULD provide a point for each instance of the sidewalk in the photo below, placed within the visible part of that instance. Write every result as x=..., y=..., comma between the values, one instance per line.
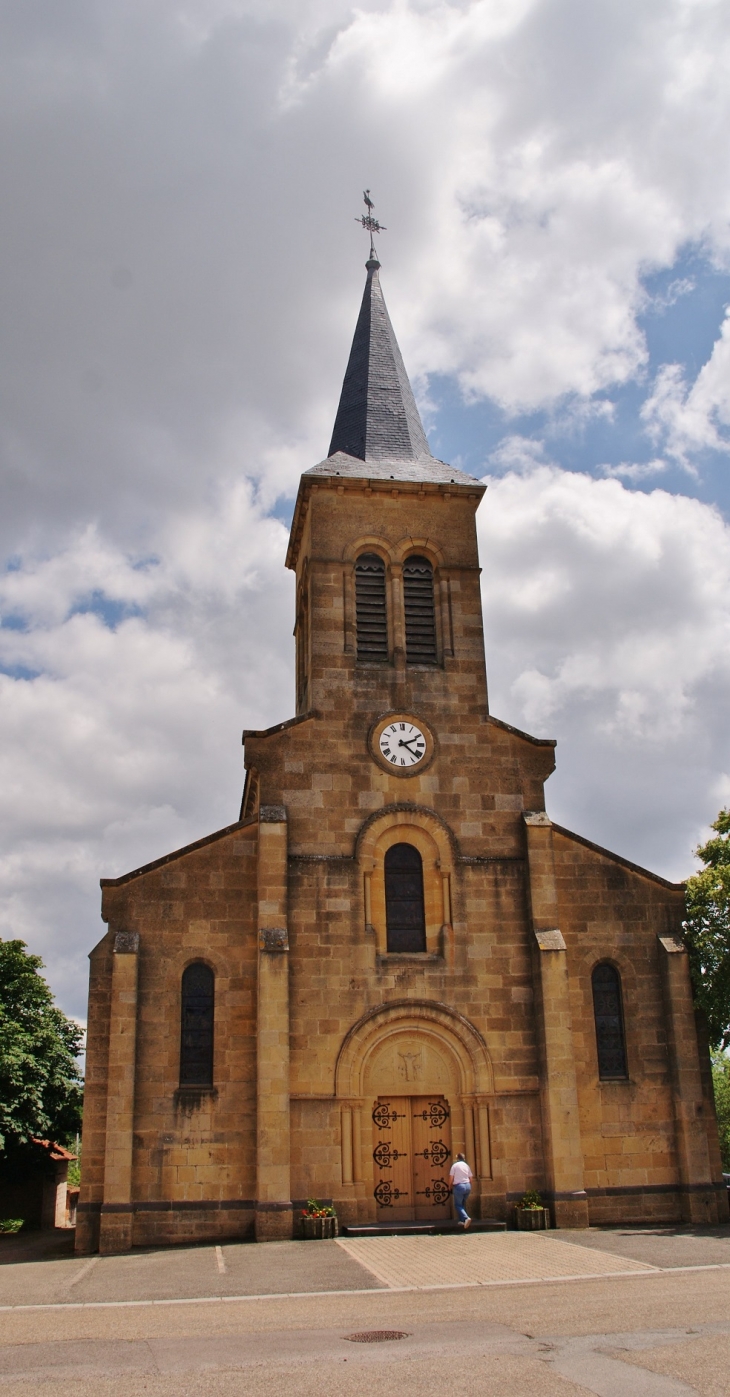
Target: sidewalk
x=42, y=1270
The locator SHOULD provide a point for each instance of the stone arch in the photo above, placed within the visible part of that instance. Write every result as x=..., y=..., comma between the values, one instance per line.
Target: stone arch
x=403, y=815
x=457, y=1049
x=368, y=543
x=411, y=544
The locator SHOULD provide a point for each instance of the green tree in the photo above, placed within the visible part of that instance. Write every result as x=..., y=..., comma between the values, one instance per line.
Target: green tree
x=40, y=1082
x=721, y=1083
x=707, y=931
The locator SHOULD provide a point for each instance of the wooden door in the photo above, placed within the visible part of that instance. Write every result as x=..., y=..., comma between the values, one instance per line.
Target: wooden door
x=431, y=1143
x=412, y=1150
x=393, y=1159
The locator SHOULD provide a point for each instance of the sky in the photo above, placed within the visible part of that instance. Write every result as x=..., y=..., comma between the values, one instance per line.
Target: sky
x=181, y=274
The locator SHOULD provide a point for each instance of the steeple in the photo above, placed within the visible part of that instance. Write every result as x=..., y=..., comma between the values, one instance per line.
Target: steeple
x=377, y=419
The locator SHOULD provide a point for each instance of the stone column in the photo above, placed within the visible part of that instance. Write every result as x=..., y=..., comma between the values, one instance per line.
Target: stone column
x=357, y=1174
x=399, y=619
x=447, y=929
x=699, y=1198
x=115, y=1232
x=447, y=630
x=346, y=1144
x=558, y=1085
x=274, y=1216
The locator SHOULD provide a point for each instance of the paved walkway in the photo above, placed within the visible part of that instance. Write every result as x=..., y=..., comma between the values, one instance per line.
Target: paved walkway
x=482, y=1260
x=185, y=1273
x=46, y=1272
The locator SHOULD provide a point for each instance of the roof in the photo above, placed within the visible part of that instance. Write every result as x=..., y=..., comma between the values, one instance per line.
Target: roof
x=422, y=470
x=377, y=419
x=56, y=1152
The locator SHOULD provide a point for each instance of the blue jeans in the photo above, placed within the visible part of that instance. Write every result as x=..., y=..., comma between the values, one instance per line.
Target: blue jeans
x=461, y=1193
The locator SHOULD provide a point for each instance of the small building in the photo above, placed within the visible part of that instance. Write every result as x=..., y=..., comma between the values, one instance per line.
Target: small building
x=35, y=1188
x=393, y=953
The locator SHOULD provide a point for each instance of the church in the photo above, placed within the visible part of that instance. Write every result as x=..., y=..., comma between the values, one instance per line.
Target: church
x=393, y=954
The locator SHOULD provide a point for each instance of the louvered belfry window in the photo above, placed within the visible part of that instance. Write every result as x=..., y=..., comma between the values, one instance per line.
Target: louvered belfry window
x=404, y=909
x=196, y=1026
x=608, y=1014
x=371, y=610
x=420, y=613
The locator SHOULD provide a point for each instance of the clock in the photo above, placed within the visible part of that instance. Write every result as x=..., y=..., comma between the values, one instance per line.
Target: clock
x=402, y=744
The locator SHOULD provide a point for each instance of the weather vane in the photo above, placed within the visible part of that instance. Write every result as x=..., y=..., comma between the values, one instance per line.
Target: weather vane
x=370, y=223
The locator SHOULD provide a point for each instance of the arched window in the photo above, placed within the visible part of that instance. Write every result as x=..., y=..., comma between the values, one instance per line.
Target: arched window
x=419, y=610
x=196, y=1026
x=404, y=910
x=370, y=609
x=609, y=1017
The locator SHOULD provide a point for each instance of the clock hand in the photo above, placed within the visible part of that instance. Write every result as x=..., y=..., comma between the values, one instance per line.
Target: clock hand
x=407, y=743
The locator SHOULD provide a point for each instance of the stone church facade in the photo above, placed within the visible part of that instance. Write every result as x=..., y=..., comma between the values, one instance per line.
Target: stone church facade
x=393, y=954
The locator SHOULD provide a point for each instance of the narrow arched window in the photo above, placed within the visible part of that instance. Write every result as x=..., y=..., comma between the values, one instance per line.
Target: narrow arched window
x=370, y=608
x=404, y=910
x=609, y=1016
x=419, y=610
x=196, y=1026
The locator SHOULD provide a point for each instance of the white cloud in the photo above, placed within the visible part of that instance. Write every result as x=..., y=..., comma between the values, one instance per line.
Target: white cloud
x=635, y=470
x=688, y=419
x=179, y=180
x=607, y=616
x=127, y=743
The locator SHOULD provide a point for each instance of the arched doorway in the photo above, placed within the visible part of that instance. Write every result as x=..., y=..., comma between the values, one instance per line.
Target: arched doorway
x=417, y=1077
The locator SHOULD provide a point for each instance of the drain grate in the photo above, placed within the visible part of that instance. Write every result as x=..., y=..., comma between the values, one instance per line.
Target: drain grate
x=376, y=1336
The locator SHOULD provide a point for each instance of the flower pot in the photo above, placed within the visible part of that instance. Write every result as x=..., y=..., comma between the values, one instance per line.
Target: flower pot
x=320, y=1228
x=532, y=1219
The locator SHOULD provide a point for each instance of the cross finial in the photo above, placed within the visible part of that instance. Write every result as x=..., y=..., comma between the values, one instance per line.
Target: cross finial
x=370, y=223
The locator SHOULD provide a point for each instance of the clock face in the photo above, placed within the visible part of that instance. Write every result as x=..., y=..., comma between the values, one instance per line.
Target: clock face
x=402, y=744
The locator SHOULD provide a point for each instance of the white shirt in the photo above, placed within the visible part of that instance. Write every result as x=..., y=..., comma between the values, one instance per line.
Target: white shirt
x=460, y=1173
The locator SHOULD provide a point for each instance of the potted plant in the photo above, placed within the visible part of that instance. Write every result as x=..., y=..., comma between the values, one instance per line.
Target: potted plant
x=319, y=1220
x=532, y=1215
x=9, y=1226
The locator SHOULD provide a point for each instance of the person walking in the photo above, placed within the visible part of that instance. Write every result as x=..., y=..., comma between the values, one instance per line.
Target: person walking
x=461, y=1177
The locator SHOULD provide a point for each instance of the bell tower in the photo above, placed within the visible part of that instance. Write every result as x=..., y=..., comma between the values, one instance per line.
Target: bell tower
x=383, y=543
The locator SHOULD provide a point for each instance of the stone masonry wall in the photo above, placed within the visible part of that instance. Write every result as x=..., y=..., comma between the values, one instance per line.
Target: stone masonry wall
x=192, y=1146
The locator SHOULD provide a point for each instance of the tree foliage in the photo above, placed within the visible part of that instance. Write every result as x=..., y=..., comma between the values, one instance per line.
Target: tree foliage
x=707, y=931
x=40, y=1082
x=721, y=1084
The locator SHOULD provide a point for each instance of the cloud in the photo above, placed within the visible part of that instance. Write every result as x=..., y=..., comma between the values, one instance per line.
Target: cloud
x=126, y=742
x=516, y=453
x=181, y=261
x=607, y=617
x=635, y=470
x=687, y=419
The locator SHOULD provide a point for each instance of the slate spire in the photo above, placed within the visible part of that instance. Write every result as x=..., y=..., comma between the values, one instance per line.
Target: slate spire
x=377, y=419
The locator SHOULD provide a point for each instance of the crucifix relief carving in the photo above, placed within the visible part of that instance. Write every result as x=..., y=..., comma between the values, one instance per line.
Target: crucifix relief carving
x=411, y=1066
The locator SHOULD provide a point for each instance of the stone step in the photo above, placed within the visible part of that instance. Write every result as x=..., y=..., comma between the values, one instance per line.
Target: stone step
x=405, y=1229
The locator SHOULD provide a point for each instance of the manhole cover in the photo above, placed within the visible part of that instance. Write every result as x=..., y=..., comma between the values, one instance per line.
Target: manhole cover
x=376, y=1336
